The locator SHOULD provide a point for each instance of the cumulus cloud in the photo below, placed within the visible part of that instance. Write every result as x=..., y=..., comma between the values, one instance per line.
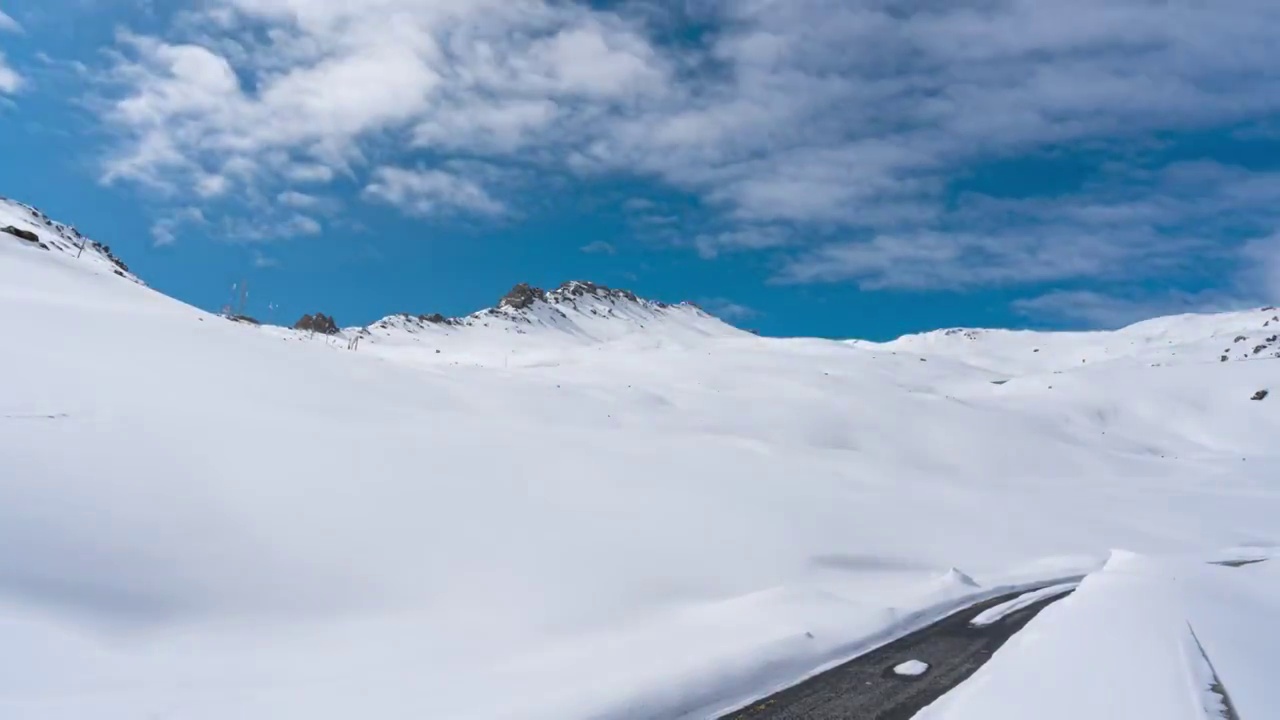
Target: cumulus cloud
x=328, y=81
x=430, y=192
x=839, y=127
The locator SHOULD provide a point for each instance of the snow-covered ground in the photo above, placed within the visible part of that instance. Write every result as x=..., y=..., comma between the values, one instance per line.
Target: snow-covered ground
x=1144, y=638
x=591, y=506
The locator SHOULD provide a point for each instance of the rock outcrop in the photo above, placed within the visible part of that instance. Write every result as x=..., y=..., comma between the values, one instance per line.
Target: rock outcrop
x=319, y=322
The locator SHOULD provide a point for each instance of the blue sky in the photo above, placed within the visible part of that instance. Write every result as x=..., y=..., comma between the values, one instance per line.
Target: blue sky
x=798, y=166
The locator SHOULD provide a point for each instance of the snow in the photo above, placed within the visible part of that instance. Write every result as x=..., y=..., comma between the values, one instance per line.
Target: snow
x=632, y=512
x=1144, y=637
x=911, y=668
x=999, y=612
x=91, y=256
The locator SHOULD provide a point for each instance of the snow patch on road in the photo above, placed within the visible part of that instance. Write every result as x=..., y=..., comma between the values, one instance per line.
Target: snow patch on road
x=911, y=668
x=997, y=613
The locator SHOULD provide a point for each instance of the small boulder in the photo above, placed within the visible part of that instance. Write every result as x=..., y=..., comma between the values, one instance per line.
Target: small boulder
x=20, y=233
x=1260, y=395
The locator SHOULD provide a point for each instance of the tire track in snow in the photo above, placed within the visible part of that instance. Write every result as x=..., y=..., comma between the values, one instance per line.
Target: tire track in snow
x=1225, y=710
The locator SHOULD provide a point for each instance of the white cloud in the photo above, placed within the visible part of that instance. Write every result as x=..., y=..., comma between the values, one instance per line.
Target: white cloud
x=269, y=227
x=1090, y=309
x=1147, y=224
x=263, y=262
x=1261, y=267
x=599, y=247
x=727, y=310
x=430, y=192
x=295, y=199
x=638, y=204
x=295, y=226
x=308, y=173
x=164, y=231
x=10, y=81
x=327, y=82
x=711, y=245
x=832, y=119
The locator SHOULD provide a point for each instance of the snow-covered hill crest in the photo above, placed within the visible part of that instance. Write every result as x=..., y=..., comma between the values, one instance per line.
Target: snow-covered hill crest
x=578, y=312
x=1176, y=339
x=23, y=223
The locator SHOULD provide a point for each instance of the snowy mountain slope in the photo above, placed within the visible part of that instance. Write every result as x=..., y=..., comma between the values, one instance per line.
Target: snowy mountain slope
x=1221, y=337
x=202, y=519
x=528, y=322
x=54, y=236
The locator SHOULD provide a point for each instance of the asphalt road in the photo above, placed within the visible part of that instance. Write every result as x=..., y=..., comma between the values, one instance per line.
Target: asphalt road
x=866, y=688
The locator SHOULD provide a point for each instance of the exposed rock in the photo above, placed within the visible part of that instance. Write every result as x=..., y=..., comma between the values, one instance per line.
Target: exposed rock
x=1259, y=348
x=24, y=234
x=436, y=318
x=1224, y=358
x=1240, y=338
x=1260, y=395
x=106, y=252
x=521, y=297
x=243, y=319
x=319, y=322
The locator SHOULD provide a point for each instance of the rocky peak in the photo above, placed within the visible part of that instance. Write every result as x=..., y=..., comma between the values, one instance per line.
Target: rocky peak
x=319, y=322
x=524, y=295
x=521, y=296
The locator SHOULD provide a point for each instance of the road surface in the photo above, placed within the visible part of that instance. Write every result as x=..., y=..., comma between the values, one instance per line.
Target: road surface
x=867, y=688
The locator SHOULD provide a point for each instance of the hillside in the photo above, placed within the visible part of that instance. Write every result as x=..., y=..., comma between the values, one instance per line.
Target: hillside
x=1180, y=339
x=18, y=219
x=578, y=504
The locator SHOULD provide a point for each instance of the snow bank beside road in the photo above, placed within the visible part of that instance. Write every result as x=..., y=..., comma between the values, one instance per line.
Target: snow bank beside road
x=1127, y=644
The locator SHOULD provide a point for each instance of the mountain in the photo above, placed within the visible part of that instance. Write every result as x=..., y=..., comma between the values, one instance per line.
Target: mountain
x=578, y=504
x=18, y=220
x=1220, y=337
x=578, y=312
